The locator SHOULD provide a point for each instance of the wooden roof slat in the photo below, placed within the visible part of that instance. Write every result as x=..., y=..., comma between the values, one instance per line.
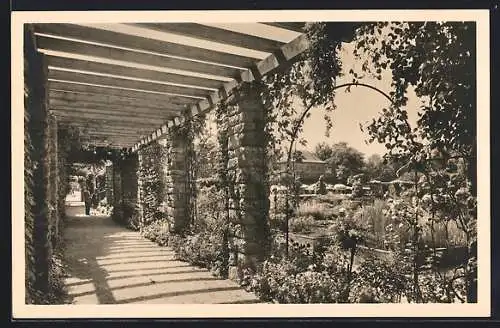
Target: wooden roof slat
x=123, y=136
x=92, y=66
x=215, y=34
x=107, y=111
x=293, y=26
x=54, y=102
x=100, y=124
x=112, y=111
x=100, y=34
x=94, y=50
x=106, y=117
x=82, y=98
x=132, y=94
x=124, y=83
x=111, y=128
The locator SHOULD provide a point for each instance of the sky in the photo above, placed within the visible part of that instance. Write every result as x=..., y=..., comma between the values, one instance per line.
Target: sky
x=358, y=106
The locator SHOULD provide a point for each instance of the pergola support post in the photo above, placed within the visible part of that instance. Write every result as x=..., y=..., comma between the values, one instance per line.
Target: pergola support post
x=176, y=181
x=249, y=199
x=117, y=188
x=129, y=182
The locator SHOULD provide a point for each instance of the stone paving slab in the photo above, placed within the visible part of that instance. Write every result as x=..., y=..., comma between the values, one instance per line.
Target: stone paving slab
x=108, y=264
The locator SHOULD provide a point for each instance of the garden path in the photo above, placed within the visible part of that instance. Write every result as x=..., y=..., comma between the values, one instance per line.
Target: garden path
x=108, y=264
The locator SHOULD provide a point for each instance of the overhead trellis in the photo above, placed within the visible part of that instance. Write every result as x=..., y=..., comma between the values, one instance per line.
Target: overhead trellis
x=124, y=85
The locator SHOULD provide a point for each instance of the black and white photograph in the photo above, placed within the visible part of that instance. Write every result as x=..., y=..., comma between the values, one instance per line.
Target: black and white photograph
x=251, y=160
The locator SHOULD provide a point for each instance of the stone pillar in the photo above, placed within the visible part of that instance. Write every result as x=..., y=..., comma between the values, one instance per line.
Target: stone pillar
x=53, y=181
x=140, y=196
x=109, y=183
x=128, y=172
x=117, y=185
x=176, y=181
x=249, y=199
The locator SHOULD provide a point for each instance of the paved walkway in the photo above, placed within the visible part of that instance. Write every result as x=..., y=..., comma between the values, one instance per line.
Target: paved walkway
x=108, y=264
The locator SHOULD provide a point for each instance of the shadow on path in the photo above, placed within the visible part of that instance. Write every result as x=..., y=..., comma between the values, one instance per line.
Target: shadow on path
x=108, y=264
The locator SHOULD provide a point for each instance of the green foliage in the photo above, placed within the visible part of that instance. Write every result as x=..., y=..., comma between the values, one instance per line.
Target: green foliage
x=323, y=151
x=384, y=278
x=127, y=215
x=157, y=231
x=302, y=224
x=150, y=175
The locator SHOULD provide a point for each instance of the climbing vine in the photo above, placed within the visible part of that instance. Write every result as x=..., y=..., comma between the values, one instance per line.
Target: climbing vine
x=150, y=174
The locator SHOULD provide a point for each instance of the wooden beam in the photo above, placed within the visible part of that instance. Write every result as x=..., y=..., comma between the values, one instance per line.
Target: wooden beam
x=110, y=111
x=153, y=98
x=141, y=73
x=55, y=103
x=125, y=83
x=94, y=50
x=111, y=128
x=293, y=26
x=107, y=117
x=139, y=104
x=77, y=121
x=215, y=34
x=288, y=53
x=137, y=135
x=117, y=35
x=112, y=135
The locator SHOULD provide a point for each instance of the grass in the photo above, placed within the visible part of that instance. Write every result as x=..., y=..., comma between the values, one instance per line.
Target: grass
x=316, y=209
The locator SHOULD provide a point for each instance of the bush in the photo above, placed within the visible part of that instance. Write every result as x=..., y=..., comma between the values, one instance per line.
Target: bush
x=127, y=215
x=301, y=278
x=317, y=209
x=157, y=231
x=278, y=222
x=302, y=224
x=202, y=249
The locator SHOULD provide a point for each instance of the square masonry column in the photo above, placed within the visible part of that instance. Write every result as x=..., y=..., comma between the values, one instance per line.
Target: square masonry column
x=247, y=169
x=176, y=181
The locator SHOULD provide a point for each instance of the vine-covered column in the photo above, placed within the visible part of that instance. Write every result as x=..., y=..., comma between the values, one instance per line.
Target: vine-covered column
x=117, y=187
x=176, y=181
x=150, y=172
x=37, y=216
x=129, y=168
x=247, y=172
x=53, y=181
x=109, y=183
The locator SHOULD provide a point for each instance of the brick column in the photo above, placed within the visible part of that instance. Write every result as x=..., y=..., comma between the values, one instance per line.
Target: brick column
x=249, y=200
x=176, y=183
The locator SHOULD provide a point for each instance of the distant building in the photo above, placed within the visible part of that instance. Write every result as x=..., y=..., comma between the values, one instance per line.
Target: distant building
x=309, y=167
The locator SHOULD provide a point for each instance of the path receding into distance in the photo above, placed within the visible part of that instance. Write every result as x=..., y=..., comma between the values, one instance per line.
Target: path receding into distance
x=108, y=264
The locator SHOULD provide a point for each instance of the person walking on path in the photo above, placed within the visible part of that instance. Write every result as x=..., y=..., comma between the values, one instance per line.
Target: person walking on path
x=87, y=199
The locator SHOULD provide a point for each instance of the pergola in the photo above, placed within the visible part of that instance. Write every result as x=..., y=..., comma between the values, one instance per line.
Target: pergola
x=124, y=85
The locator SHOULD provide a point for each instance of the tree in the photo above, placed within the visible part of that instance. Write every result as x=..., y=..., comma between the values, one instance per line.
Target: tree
x=345, y=161
x=298, y=156
x=379, y=169
x=323, y=151
x=438, y=59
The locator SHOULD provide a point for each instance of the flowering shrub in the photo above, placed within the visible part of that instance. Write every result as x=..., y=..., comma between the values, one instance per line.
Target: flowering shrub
x=157, y=231
x=303, y=277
